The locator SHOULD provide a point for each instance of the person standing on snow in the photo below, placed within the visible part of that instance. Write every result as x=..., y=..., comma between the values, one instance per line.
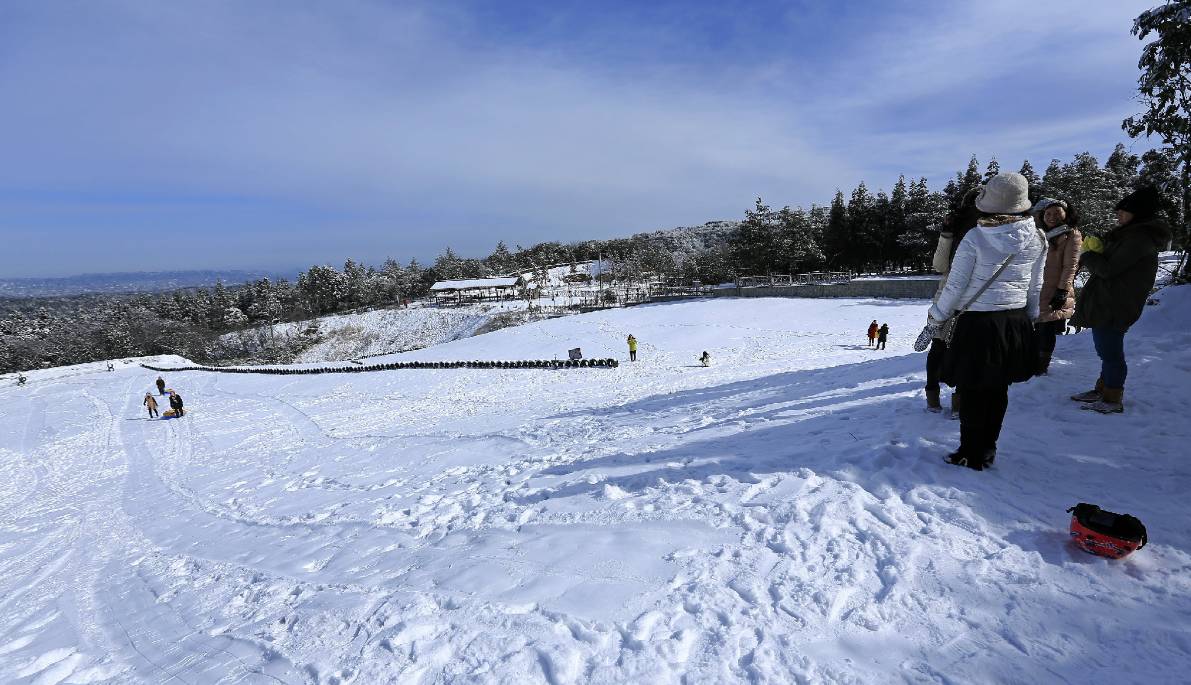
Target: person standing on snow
x=1122, y=269
x=705, y=359
x=632, y=348
x=176, y=404
x=1058, y=280
x=957, y=223
x=151, y=404
x=872, y=333
x=160, y=385
x=993, y=288
x=882, y=336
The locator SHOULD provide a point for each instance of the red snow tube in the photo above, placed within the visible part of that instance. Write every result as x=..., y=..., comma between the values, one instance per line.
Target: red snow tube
x=1104, y=533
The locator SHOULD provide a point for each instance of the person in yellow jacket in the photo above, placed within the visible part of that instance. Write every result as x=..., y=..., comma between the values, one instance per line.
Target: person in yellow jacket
x=632, y=348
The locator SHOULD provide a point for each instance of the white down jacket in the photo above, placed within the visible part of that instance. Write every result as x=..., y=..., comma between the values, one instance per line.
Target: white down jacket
x=980, y=253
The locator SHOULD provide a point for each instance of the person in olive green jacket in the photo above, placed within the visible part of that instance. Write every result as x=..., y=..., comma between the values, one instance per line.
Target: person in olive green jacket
x=1122, y=268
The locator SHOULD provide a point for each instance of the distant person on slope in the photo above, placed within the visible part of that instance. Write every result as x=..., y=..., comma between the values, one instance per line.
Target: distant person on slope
x=705, y=359
x=872, y=333
x=160, y=385
x=882, y=336
x=1122, y=271
x=1057, y=300
x=151, y=404
x=632, y=348
x=176, y=404
x=993, y=287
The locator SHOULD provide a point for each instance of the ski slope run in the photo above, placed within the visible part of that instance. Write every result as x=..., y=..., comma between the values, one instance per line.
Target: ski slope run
x=782, y=516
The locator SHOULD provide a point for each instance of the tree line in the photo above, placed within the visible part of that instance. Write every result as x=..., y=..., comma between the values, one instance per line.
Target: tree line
x=867, y=231
x=864, y=231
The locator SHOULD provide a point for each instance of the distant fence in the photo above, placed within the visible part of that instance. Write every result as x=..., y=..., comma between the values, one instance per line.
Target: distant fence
x=891, y=288
x=394, y=366
x=779, y=280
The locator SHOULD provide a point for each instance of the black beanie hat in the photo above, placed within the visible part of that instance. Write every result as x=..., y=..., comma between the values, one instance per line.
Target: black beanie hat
x=1141, y=203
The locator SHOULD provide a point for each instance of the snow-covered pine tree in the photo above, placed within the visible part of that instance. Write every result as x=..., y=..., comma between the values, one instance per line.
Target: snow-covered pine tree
x=1165, y=88
x=993, y=168
x=1027, y=170
x=797, y=247
x=755, y=242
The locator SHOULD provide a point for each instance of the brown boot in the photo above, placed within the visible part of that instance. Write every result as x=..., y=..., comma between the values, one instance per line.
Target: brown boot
x=932, y=400
x=1091, y=395
x=1110, y=402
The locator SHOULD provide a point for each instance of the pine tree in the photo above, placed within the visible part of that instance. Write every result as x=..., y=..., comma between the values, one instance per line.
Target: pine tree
x=862, y=226
x=837, y=237
x=993, y=169
x=1165, y=87
x=501, y=260
x=1122, y=166
x=1027, y=170
x=448, y=266
x=798, y=247
x=896, y=225
x=1160, y=168
x=755, y=241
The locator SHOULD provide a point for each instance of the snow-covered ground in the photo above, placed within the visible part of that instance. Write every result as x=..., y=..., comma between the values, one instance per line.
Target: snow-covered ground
x=379, y=331
x=782, y=516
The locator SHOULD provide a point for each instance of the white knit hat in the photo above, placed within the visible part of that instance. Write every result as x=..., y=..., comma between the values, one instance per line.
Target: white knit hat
x=1007, y=193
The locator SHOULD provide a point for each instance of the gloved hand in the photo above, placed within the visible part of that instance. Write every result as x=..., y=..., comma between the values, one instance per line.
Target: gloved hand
x=1058, y=301
x=928, y=333
x=1092, y=244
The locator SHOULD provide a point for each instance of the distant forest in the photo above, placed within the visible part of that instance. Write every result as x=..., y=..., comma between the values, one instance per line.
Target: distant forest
x=863, y=231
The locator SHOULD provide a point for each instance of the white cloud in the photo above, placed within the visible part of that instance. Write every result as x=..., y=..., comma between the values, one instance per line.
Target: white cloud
x=397, y=116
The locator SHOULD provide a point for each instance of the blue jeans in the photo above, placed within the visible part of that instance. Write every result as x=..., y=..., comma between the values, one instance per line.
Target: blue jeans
x=1110, y=346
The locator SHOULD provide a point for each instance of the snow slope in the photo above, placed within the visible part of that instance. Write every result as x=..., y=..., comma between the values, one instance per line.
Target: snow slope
x=351, y=336
x=782, y=516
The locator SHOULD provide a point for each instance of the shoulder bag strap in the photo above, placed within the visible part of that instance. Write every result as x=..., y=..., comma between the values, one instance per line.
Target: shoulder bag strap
x=984, y=287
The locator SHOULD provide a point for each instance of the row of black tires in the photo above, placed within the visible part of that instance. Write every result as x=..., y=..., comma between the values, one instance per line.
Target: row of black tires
x=522, y=364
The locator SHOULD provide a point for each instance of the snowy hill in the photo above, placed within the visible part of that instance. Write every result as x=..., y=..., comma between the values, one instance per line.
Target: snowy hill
x=782, y=516
x=340, y=337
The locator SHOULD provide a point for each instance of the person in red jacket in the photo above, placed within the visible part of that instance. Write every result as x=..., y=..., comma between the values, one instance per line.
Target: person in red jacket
x=872, y=333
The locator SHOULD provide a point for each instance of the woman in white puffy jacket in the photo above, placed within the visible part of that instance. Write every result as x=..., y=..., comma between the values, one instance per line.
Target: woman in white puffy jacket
x=994, y=286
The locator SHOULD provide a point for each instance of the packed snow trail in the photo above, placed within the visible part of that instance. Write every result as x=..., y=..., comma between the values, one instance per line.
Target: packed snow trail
x=782, y=516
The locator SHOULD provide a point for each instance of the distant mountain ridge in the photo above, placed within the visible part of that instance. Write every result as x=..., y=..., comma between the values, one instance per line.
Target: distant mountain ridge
x=130, y=282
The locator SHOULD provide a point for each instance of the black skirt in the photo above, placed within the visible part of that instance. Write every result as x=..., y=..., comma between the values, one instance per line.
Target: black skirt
x=991, y=349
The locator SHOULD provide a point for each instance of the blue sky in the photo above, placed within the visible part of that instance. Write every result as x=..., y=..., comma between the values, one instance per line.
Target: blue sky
x=149, y=135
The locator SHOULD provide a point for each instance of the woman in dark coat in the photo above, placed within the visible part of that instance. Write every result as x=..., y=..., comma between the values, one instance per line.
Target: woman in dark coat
x=176, y=404
x=1122, y=270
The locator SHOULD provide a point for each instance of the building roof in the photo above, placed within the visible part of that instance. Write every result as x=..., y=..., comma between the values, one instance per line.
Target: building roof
x=477, y=284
